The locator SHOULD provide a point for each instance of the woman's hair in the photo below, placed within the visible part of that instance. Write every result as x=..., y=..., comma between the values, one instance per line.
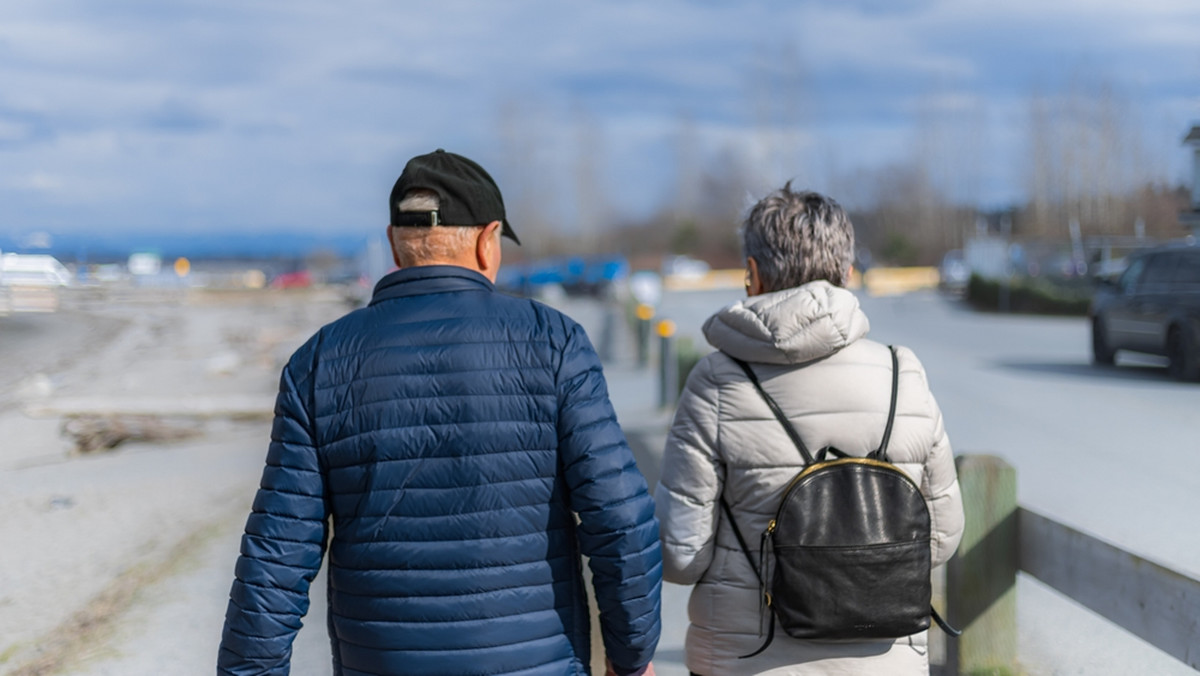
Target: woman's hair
x=417, y=246
x=798, y=237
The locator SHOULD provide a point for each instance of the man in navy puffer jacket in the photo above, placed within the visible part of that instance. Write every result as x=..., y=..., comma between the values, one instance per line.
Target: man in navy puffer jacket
x=457, y=451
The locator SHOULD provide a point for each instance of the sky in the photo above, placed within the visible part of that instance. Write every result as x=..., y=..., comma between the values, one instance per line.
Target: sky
x=249, y=115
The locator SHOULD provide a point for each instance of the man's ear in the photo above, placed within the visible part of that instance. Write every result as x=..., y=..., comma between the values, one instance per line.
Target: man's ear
x=487, y=249
x=392, y=245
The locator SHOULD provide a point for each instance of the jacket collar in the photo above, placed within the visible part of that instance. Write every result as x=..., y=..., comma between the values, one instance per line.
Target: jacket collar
x=426, y=279
x=792, y=326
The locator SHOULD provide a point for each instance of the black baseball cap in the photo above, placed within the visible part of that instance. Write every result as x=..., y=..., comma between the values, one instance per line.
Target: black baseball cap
x=467, y=195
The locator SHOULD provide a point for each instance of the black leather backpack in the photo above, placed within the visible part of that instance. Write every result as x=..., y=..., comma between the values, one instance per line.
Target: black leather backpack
x=847, y=555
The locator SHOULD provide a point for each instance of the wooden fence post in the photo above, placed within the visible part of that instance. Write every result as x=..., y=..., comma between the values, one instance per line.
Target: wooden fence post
x=981, y=594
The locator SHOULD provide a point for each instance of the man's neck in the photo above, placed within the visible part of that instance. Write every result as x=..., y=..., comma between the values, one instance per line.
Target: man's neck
x=469, y=265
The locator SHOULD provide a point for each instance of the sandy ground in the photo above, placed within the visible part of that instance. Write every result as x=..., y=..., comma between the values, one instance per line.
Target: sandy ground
x=90, y=536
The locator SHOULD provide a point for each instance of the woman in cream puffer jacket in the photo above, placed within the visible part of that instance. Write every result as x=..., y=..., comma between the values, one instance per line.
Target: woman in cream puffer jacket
x=807, y=344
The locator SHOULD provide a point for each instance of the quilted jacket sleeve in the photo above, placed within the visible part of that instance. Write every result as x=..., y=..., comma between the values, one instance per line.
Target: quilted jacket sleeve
x=941, y=484
x=617, y=528
x=690, y=486
x=284, y=541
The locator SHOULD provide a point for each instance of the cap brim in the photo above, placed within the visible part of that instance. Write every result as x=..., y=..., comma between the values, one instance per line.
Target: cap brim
x=507, y=231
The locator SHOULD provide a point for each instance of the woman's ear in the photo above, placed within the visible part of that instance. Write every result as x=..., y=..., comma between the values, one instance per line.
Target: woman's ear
x=754, y=284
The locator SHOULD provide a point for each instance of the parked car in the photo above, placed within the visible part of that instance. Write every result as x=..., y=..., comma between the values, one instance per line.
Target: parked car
x=1153, y=307
x=953, y=273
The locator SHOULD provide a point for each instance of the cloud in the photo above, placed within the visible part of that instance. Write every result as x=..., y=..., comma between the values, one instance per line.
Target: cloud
x=40, y=181
x=301, y=113
x=179, y=116
x=20, y=128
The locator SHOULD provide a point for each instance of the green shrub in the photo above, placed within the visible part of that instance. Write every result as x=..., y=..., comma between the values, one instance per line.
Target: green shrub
x=1030, y=296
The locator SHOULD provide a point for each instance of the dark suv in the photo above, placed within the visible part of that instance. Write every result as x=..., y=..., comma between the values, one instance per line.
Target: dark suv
x=1153, y=307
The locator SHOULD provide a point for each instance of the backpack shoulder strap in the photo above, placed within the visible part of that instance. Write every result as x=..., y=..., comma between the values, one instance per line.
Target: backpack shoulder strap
x=787, y=426
x=881, y=452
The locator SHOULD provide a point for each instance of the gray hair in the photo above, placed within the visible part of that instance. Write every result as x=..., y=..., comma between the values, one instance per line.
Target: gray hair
x=419, y=245
x=798, y=237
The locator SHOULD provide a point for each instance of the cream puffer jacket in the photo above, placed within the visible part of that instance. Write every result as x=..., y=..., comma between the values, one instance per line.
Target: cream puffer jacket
x=808, y=347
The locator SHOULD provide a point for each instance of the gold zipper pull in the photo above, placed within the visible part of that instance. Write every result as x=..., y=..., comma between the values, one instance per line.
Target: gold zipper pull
x=771, y=526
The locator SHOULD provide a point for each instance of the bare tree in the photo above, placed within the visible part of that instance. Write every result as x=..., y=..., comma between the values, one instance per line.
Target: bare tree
x=591, y=206
x=529, y=190
x=1086, y=160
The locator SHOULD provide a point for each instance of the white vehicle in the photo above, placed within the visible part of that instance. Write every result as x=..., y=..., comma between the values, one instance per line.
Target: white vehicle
x=37, y=270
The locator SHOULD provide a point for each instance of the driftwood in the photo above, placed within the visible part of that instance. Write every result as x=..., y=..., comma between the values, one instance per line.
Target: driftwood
x=104, y=432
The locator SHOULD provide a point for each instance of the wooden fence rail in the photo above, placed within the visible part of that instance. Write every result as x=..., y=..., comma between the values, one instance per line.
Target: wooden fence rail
x=1159, y=605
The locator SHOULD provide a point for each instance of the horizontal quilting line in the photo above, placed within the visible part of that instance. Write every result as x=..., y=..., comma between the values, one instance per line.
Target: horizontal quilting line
x=360, y=380
x=456, y=570
x=737, y=417
x=589, y=402
x=456, y=515
x=461, y=594
x=607, y=474
x=352, y=437
x=393, y=403
x=280, y=491
x=286, y=517
x=473, y=538
x=471, y=454
x=539, y=479
x=328, y=359
x=505, y=644
x=427, y=396
x=509, y=536
x=293, y=468
x=625, y=531
x=427, y=374
x=612, y=471
x=271, y=589
x=284, y=438
x=681, y=493
x=254, y=637
x=276, y=538
x=653, y=610
x=489, y=618
x=276, y=563
x=644, y=550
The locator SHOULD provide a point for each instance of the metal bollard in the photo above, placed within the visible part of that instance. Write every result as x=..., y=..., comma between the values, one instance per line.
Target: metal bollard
x=644, y=314
x=668, y=365
x=604, y=347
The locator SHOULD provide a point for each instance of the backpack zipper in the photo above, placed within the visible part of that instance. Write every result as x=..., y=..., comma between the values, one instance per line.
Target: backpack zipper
x=831, y=463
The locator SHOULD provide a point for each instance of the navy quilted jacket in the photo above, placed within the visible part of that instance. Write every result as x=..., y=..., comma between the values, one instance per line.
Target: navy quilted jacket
x=460, y=448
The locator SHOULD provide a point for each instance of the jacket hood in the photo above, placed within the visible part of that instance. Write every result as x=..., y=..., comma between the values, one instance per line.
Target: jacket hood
x=792, y=326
